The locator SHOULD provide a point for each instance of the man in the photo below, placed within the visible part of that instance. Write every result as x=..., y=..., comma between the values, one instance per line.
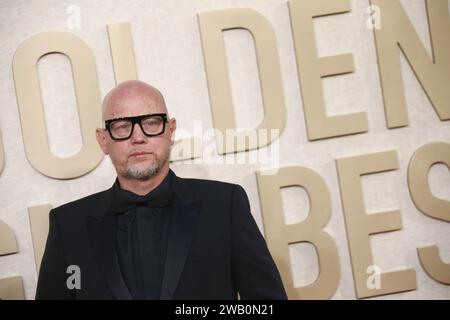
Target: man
x=154, y=235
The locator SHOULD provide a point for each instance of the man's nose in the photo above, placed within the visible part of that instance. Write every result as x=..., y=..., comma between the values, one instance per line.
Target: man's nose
x=138, y=135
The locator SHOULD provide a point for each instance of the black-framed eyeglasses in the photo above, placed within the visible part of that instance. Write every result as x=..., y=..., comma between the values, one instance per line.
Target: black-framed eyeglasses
x=150, y=124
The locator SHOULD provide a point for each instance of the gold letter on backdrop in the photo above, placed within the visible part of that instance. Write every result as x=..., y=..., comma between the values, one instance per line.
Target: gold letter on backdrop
x=212, y=24
x=39, y=223
x=8, y=243
x=122, y=52
x=360, y=225
x=433, y=72
x=279, y=235
x=10, y=288
x=425, y=201
x=31, y=110
x=311, y=70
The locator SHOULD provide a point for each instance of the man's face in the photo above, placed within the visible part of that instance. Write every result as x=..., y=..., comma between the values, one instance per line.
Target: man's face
x=140, y=156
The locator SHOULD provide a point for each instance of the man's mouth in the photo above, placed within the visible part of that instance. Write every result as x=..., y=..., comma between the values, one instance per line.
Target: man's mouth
x=137, y=154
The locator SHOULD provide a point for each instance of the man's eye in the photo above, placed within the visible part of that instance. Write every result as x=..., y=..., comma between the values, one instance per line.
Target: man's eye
x=123, y=126
x=151, y=123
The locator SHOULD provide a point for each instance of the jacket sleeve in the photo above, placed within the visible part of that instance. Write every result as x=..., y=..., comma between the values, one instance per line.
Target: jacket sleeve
x=254, y=270
x=52, y=275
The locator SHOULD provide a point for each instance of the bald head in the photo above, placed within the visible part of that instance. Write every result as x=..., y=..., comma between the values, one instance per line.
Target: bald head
x=132, y=93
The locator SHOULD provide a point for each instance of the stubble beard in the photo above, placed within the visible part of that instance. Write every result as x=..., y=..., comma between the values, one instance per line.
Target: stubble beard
x=138, y=173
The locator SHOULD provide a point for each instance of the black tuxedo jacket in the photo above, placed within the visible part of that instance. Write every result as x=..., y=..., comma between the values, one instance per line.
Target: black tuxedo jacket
x=215, y=249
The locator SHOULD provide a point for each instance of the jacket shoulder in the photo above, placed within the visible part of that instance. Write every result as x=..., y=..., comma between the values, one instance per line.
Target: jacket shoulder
x=213, y=190
x=83, y=204
x=205, y=184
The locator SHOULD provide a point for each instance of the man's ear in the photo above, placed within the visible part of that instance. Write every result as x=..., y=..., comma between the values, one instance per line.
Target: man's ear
x=101, y=139
x=172, y=128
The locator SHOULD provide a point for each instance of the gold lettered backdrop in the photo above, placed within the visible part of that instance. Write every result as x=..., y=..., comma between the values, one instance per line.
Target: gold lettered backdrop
x=333, y=115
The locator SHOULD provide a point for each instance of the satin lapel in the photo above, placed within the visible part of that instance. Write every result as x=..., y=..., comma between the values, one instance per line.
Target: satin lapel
x=181, y=233
x=102, y=235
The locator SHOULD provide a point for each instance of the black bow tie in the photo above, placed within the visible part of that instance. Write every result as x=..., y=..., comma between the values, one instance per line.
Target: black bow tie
x=125, y=200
